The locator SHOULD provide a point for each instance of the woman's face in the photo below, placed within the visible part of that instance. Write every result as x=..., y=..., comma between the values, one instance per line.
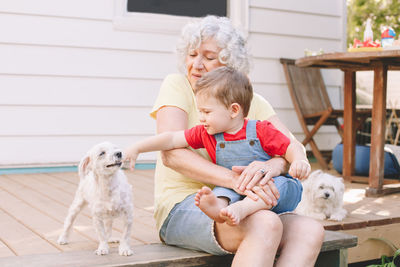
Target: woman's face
x=202, y=60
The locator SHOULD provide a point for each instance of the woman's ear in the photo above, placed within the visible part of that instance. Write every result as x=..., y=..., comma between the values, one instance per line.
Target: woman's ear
x=236, y=109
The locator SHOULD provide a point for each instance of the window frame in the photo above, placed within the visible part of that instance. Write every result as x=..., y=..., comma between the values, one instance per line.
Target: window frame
x=238, y=12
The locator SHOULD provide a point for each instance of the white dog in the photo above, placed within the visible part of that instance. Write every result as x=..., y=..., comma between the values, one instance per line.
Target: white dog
x=322, y=197
x=104, y=187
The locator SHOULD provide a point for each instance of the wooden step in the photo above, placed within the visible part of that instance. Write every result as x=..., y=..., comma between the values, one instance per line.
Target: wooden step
x=333, y=253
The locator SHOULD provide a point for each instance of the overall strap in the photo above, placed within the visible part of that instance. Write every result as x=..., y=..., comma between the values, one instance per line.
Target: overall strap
x=219, y=137
x=251, y=132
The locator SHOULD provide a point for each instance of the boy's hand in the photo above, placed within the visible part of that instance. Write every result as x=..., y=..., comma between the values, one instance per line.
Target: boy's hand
x=131, y=154
x=300, y=169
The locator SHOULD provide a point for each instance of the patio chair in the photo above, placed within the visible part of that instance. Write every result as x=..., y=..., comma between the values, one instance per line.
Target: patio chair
x=313, y=107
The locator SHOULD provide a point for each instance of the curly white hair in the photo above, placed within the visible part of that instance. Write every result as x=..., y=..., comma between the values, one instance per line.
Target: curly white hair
x=234, y=52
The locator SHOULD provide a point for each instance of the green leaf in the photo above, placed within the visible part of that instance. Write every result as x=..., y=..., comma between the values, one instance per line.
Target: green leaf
x=382, y=13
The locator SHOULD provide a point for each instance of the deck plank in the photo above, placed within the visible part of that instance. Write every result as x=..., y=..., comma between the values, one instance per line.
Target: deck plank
x=39, y=202
x=57, y=203
x=36, y=220
x=143, y=255
x=143, y=229
x=365, y=211
x=31, y=191
x=20, y=239
x=5, y=251
x=161, y=255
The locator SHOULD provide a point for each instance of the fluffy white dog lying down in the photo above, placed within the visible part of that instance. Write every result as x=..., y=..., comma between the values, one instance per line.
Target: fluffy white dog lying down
x=322, y=197
x=104, y=187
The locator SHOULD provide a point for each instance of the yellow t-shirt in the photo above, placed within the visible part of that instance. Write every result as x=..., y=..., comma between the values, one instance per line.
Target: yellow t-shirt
x=172, y=187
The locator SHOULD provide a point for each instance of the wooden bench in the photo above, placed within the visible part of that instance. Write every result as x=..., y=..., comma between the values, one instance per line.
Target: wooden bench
x=333, y=253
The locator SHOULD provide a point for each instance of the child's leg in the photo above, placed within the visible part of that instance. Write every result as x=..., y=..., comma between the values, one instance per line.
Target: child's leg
x=290, y=195
x=239, y=210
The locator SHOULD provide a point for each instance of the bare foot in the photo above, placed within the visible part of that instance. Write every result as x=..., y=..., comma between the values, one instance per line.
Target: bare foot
x=231, y=215
x=210, y=204
x=239, y=210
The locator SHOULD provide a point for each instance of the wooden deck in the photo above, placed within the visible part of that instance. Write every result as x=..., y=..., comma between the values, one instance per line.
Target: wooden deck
x=33, y=208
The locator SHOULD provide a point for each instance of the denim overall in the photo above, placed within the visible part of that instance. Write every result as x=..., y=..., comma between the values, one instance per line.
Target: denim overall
x=242, y=153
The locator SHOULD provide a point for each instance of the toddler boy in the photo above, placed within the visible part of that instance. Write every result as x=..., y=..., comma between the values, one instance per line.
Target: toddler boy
x=223, y=98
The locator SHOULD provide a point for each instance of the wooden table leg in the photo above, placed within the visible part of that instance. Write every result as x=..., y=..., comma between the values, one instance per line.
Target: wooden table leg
x=349, y=137
x=376, y=167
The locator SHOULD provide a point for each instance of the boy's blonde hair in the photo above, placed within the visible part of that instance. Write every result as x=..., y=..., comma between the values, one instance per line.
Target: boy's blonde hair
x=228, y=86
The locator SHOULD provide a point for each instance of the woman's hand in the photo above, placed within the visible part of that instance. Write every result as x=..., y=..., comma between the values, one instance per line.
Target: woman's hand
x=260, y=172
x=268, y=192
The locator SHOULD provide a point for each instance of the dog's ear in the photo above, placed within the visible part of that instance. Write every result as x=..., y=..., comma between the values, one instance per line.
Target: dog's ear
x=315, y=173
x=84, y=166
x=340, y=184
x=307, y=187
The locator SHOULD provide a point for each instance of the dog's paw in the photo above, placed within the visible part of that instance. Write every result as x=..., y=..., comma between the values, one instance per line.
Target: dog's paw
x=102, y=249
x=62, y=240
x=125, y=250
x=338, y=216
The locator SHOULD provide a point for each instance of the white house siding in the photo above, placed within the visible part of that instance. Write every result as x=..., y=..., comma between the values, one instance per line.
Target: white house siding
x=284, y=29
x=365, y=82
x=69, y=79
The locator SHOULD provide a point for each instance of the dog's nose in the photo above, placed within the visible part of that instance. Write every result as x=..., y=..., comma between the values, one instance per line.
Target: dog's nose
x=327, y=195
x=118, y=155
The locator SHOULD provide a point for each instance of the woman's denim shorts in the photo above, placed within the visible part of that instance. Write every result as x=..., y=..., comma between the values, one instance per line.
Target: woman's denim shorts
x=188, y=227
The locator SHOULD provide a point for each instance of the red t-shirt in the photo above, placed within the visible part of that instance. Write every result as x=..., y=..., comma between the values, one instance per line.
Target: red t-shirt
x=272, y=141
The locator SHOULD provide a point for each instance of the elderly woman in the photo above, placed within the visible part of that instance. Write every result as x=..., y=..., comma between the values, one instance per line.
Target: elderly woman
x=180, y=173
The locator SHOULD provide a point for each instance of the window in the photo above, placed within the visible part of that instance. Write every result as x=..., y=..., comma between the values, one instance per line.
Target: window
x=169, y=16
x=189, y=8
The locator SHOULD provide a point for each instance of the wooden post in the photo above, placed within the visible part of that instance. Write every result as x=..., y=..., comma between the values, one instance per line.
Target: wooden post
x=376, y=167
x=349, y=137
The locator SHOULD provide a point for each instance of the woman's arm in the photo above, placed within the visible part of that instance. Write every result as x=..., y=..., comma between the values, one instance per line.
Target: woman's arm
x=198, y=168
x=195, y=166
